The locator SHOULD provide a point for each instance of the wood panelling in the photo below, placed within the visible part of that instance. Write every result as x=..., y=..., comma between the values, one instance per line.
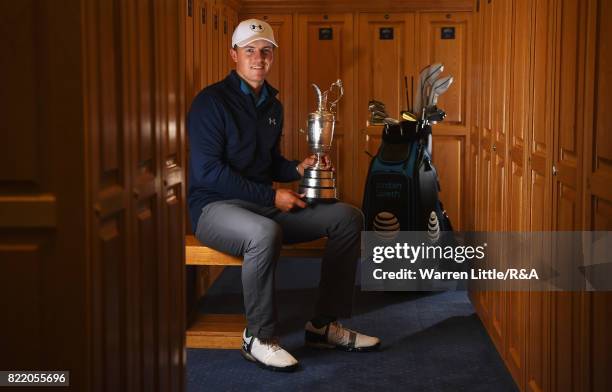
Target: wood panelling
x=215, y=44
x=249, y=6
x=598, y=162
x=22, y=261
x=199, y=70
x=599, y=357
x=448, y=154
x=25, y=210
x=519, y=120
x=540, y=146
x=570, y=56
x=597, y=207
x=105, y=85
x=540, y=92
x=495, y=141
x=475, y=79
x=22, y=152
x=517, y=211
x=42, y=235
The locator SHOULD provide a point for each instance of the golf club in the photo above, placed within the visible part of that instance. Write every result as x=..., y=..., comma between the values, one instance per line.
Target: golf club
x=438, y=88
x=430, y=72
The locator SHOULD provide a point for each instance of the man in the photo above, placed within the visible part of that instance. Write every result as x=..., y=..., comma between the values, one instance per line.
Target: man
x=234, y=134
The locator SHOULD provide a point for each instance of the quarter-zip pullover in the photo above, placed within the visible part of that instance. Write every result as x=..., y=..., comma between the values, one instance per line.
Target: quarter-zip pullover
x=234, y=146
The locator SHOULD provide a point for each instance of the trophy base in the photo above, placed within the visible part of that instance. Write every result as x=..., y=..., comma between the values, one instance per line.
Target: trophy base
x=319, y=186
x=311, y=201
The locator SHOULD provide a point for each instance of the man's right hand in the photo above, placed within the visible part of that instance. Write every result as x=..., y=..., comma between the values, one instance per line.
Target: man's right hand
x=286, y=200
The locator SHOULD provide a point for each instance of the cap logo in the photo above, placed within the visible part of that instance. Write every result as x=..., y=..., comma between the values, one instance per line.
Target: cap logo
x=256, y=28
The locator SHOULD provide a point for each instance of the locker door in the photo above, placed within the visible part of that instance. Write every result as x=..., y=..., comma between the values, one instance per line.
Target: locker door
x=325, y=45
x=445, y=38
x=386, y=55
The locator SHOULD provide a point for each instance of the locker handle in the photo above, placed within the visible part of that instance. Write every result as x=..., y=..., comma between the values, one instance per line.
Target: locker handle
x=203, y=15
x=225, y=26
x=216, y=22
x=189, y=7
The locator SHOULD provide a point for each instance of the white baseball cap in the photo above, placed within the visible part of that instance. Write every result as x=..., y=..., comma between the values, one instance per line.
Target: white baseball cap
x=251, y=30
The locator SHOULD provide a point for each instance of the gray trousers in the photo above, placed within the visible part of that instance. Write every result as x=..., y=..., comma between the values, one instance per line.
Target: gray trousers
x=257, y=233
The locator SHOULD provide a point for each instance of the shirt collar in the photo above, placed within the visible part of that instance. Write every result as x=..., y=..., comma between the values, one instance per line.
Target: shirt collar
x=247, y=90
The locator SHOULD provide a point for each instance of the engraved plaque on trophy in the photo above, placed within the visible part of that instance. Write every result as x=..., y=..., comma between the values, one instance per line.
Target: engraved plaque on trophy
x=319, y=183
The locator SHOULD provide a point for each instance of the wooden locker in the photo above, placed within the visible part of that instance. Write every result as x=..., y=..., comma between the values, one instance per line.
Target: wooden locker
x=484, y=297
x=92, y=232
x=225, y=41
x=170, y=126
x=476, y=289
x=484, y=222
x=448, y=155
x=516, y=219
x=43, y=240
x=540, y=203
x=215, y=43
x=232, y=22
x=519, y=117
x=501, y=14
x=325, y=49
x=192, y=10
x=384, y=61
x=598, y=135
x=472, y=169
x=202, y=49
x=570, y=57
x=445, y=38
x=597, y=177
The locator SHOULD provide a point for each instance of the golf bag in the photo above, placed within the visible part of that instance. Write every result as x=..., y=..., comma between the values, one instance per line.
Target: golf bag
x=401, y=191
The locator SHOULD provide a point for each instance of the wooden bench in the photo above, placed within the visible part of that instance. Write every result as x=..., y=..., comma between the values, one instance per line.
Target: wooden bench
x=225, y=330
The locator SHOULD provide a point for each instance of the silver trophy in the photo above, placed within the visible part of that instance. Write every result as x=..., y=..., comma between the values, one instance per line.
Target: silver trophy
x=319, y=184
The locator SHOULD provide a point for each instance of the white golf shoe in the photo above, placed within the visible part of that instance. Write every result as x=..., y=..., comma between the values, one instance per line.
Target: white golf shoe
x=267, y=353
x=334, y=335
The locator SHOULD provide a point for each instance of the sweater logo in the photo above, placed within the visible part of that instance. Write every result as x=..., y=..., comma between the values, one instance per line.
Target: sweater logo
x=272, y=121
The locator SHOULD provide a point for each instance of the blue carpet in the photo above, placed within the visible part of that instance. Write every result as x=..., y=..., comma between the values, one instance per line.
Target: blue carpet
x=430, y=342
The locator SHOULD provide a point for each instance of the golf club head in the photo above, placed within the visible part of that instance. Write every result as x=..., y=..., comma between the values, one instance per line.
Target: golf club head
x=435, y=115
x=373, y=104
x=406, y=115
x=430, y=72
x=438, y=88
x=377, y=119
x=386, y=120
x=378, y=113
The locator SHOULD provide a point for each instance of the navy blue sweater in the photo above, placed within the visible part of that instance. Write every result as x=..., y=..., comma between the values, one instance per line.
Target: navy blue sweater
x=234, y=147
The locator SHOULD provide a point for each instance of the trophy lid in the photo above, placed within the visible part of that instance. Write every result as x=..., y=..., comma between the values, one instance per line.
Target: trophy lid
x=323, y=106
